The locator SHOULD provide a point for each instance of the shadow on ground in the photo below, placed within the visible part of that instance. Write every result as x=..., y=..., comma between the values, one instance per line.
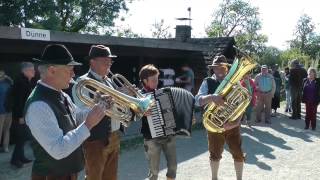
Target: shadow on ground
x=134, y=164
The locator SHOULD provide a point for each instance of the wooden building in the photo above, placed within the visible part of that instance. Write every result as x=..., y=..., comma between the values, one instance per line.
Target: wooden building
x=21, y=44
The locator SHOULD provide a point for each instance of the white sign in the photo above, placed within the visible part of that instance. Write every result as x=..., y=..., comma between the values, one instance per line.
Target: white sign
x=35, y=34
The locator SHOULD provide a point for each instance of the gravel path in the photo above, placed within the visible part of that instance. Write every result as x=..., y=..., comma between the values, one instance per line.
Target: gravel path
x=280, y=151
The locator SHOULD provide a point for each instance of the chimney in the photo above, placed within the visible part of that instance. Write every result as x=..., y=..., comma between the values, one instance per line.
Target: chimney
x=183, y=33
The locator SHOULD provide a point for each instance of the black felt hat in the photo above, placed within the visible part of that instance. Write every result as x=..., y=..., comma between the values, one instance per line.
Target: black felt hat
x=99, y=51
x=219, y=60
x=56, y=54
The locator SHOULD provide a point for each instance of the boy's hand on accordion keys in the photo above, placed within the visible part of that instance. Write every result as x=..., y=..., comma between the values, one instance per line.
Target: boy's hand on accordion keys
x=147, y=113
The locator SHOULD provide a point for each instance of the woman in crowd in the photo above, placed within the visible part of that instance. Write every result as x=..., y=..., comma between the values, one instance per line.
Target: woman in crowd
x=311, y=97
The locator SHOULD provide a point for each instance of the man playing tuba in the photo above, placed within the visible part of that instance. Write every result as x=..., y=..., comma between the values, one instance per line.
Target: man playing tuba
x=231, y=135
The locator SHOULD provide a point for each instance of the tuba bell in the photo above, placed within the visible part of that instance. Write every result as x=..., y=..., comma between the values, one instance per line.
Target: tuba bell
x=87, y=89
x=236, y=97
x=119, y=81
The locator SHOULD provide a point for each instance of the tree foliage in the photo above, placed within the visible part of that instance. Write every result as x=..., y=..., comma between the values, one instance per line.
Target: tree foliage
x=126, y=32
x=305, y=45
x=270, y=56
x=161, y=30
x=62, y=15
x=293, y=53
x=303, y=33
x=239, y=19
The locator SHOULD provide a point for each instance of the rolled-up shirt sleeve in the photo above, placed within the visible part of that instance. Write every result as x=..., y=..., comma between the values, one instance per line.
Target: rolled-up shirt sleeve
x=45, y=129
x=203, y=90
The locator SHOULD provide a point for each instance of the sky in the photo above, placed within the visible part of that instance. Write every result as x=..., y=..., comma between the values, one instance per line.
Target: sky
x=279, y=17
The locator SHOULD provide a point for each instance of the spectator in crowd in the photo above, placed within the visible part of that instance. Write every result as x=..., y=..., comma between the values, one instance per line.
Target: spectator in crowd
x=311, y=97
x=187, y=78
x=249, y=84
x=296, y=76
x=276, y=98
x=265, y=91
x=5, y=109
x=287, y=89
x=21, y=89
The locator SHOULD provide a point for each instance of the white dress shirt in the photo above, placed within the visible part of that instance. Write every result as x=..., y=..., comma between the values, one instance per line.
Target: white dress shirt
x=45, y=129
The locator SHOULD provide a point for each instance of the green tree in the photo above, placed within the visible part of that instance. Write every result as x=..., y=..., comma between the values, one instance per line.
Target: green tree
x=294, y=53
x=161, y=30
x=306, y=41
x=62, y=15
x=303, y=33
x=312, y=47
x=270, y=56
x=239, y=19
x=126, y=32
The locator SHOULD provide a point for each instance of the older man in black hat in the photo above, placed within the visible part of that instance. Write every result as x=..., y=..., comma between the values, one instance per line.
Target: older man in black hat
x=231, y=136
x=103, y=146
x=57, y=126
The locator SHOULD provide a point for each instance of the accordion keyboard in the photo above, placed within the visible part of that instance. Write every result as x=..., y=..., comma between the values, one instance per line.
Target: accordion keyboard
x=162, y=119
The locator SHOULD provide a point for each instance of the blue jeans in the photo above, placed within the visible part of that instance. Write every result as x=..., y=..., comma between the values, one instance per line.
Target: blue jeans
x=153, y=149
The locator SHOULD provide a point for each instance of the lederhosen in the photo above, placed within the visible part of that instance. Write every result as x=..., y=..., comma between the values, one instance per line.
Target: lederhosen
x=232, y=137
x=101, y=149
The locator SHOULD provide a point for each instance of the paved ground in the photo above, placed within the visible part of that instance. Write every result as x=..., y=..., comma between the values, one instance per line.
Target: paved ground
x=280, y=151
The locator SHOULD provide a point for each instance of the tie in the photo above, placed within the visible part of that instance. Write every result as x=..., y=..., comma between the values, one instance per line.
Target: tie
x=67, y=105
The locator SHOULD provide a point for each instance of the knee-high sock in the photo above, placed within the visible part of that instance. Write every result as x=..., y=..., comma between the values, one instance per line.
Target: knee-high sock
x=238, y=166
x=214, y=169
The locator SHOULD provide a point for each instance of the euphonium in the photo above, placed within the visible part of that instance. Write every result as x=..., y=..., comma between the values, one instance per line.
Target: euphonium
x=122, y=104
x=120, y=81
x=236, y=97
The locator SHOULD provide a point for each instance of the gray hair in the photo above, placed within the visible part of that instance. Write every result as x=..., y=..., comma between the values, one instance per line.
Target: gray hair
x=26, y=65
x=43, y=69
x=311, y=69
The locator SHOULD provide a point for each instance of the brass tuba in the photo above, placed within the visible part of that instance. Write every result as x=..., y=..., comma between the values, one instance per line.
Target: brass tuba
x=122, y=104
x=236, y=97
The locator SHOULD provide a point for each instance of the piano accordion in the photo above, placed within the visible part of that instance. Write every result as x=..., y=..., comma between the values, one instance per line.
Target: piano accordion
x=172, y=112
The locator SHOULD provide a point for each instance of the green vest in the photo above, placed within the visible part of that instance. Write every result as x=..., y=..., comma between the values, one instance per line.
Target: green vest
x=44, y=164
